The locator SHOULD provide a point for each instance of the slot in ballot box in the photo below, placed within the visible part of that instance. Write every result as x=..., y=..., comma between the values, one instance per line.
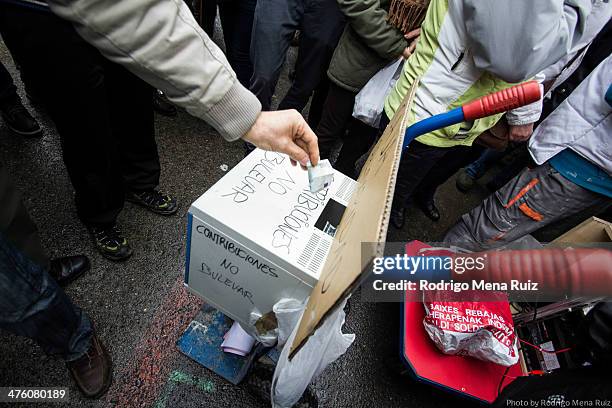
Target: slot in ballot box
x=259, y=235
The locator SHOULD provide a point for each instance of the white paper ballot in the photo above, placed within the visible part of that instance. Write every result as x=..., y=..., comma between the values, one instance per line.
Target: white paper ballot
x=320, y=176
x=237, y=341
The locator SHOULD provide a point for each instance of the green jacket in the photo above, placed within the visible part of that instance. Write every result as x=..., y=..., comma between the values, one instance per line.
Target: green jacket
x=368, y=43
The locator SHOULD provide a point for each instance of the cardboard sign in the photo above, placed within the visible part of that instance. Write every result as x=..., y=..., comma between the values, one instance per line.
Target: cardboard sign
x=365, y=221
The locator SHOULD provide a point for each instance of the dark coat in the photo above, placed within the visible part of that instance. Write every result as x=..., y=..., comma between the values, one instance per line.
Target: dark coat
x=368, y=43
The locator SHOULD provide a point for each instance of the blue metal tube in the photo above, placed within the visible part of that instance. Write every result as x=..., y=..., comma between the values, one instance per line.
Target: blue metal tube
x=32, y=4
x=433, y=123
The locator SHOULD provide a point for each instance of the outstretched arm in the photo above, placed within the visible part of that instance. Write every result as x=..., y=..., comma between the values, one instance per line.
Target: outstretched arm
x=160, y=42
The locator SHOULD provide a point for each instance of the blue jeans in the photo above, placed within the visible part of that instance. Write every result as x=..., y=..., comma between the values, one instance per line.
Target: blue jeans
x=34, y=306
x=487, y=159
x=321, y=23
x=31, y=302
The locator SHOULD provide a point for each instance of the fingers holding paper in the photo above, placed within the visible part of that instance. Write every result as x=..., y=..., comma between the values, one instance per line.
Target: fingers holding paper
x=286, y=132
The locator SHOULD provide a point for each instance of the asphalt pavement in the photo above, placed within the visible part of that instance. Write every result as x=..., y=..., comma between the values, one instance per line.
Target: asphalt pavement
x=140, y=307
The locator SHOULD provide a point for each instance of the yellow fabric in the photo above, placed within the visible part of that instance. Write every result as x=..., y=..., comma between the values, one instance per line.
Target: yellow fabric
x=418, y=65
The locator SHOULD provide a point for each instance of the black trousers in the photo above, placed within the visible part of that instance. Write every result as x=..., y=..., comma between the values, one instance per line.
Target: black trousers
x=337, y=124
x=8, y=91
x=103, y=113
x=445, y=168
x=337, y=114
x=423, y=168
x=237, y=24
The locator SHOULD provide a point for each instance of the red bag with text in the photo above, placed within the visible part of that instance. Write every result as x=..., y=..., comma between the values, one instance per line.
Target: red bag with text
x=483, y=330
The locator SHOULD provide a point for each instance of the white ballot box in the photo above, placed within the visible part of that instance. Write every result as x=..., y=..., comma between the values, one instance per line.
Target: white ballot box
x=259, y=235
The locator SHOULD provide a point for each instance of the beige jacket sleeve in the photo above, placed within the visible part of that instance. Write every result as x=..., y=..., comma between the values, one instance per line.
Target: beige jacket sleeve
x=160, y=41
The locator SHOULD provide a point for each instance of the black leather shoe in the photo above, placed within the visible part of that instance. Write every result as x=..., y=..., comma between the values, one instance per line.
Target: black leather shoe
x=398, y=217
x=92, y=373
x=162, y=106
x=19, y=120
x=65, y=270
x=430, y=210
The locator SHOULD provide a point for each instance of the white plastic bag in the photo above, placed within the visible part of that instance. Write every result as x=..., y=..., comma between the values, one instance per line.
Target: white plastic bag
x=288, y=313
x=370, y=101
x=325, y=345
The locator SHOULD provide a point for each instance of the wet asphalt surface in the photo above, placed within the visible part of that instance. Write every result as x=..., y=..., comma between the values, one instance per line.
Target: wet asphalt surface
x=122, y=298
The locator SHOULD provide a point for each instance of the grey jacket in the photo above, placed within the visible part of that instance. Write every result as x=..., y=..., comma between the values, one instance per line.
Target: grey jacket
x=160, y=41
x=583, y=123
x=536, y=33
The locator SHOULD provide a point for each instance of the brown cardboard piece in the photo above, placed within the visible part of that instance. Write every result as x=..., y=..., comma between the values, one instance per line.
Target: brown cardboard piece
x=365, y=221
x=591, y=230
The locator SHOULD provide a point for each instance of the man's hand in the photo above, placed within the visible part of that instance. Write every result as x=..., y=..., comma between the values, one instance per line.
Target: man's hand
x=286, y=132
x=520, y=133
x=414, y=36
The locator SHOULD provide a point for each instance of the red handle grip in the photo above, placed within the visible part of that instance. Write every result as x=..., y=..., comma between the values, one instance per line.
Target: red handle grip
x=502, y=101
x=576, y=272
